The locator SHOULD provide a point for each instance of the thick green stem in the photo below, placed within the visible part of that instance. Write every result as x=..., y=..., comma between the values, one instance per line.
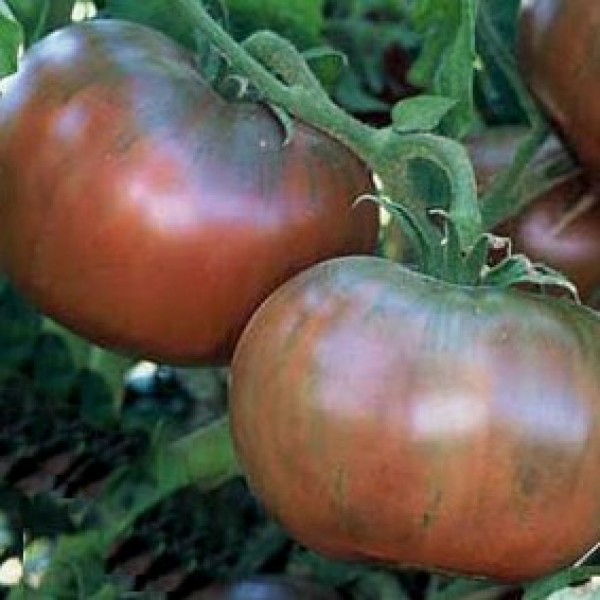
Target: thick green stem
x=299, y=100
x=387, y=152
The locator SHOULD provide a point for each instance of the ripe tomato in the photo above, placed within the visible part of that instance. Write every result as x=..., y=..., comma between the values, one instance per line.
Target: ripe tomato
x=385, y=416
x=145, y=212
x=560, y=228
x=558, y=56
x=264, y=587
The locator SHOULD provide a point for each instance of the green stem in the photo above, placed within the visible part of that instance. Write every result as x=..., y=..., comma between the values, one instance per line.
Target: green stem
x=385, y=151
x=301, y=101
x=449, y=156
x=499, y=203
x=204, y=458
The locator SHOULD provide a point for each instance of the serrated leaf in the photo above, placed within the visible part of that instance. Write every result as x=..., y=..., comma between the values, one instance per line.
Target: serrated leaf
x=421, y=113
x=518, y=269
x=11, y=39
x=446, y=63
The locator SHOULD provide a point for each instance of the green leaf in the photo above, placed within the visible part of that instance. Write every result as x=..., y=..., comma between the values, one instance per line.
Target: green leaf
x=54, y=368
x=301, y=21
x=19, y=326
x=351, y=95
x=542, y=590
x=11, y=39
x=421, y=113
x=161, y=16
x=327, y=64
x=96, y=398
x=518, y=269
x=39, y=17
x=446, y=64
x=495, y=93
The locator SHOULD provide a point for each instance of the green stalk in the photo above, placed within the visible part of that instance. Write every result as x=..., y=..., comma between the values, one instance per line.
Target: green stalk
x=204, y=458
x=386, y=151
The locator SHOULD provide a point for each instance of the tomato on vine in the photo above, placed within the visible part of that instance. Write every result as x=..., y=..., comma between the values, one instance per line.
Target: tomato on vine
x=148, y=214
x=382, y=415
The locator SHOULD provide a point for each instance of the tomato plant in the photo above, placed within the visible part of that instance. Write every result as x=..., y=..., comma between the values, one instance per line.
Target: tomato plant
x=427, y=418
x=154, y=216
x=386, y=416
x=557, y=50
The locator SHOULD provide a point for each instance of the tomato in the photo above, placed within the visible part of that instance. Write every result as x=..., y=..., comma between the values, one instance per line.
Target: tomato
x=148, y=214
x=558, y=57
x=265, y=587
x=560, y=228
x=385, y=416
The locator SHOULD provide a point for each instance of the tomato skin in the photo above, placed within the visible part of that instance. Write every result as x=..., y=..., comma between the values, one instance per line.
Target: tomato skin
x=149, y=215
x=265, y=587
x=384, y=416
x=557, y=54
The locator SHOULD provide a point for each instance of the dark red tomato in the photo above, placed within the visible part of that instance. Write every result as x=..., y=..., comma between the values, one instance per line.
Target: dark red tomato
x=561, y=228
x=385, y=416
x=559, y=58
x=145, y=212
x=263, y=587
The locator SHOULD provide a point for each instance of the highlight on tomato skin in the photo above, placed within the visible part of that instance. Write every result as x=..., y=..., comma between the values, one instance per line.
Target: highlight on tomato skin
x=449, y=428
x=155, y=216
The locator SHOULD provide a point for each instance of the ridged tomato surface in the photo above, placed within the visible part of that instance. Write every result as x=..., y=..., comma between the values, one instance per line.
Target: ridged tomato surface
x=384, y=416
